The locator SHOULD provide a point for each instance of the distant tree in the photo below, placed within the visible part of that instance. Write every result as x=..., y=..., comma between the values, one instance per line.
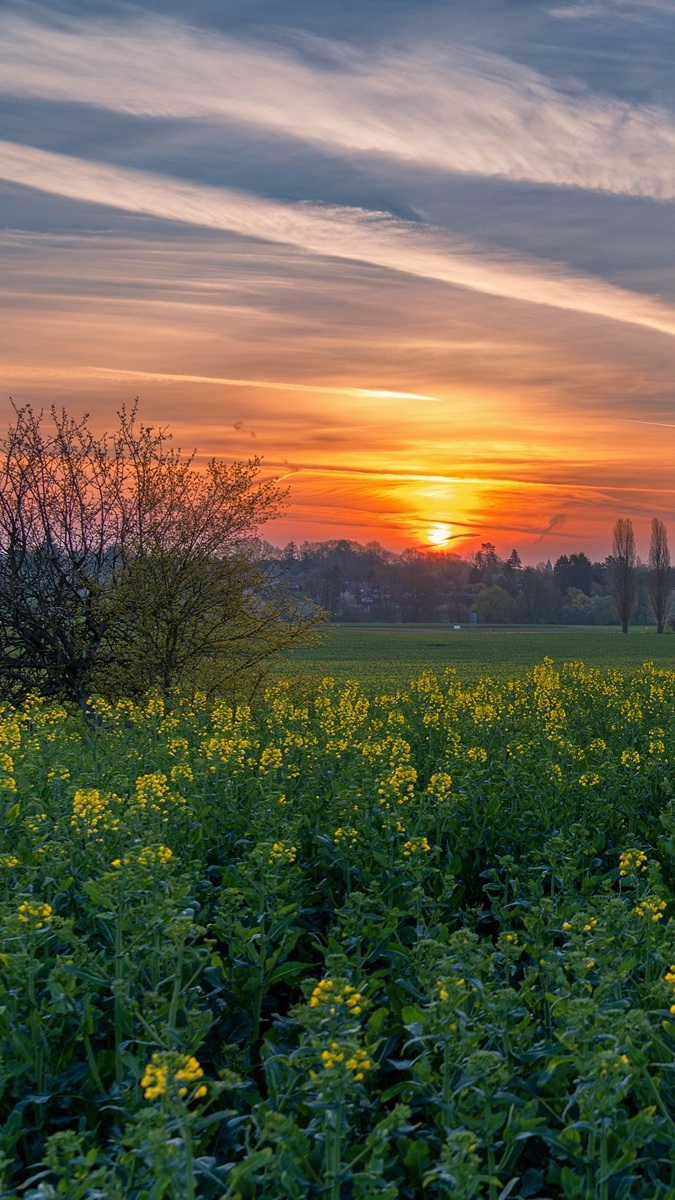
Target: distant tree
x=624, y=560
x=659, y=584
x=538, y=599
x=603, y=610
x=486, y=563
x=493, y=604
x=574, y=570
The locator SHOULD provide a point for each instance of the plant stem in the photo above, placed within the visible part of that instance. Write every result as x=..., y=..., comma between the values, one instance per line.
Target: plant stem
x=333, y=1150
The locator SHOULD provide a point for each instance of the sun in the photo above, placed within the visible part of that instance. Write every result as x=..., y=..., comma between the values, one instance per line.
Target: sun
x=439, y=533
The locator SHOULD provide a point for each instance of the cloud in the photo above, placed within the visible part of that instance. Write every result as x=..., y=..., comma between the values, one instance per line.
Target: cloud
x=439, y=106
x=632, y=10
x=112, y=373
x=346, y=233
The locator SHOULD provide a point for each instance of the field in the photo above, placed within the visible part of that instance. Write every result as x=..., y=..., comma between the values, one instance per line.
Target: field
x=344, y=946
x=390, y=655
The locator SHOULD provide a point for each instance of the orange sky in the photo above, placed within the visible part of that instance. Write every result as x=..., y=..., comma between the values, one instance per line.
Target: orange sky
x=286, y=248
x=528, y=433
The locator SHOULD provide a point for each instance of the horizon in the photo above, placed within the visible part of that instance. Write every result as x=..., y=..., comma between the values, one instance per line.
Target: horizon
x=419, y=260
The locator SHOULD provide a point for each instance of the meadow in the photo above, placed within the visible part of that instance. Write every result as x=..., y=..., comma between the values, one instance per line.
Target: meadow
x=385, y=656
x=414, y=943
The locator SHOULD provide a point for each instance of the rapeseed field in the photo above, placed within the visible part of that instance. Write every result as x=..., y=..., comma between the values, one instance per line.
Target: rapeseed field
x=343, y=946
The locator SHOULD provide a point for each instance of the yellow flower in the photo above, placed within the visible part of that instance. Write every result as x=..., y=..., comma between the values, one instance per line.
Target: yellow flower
x=171, y=1072
x=154, y=854
x=632, y=861
x=650, y=908
x=280, y=853
x=92, y=813
x=346, y=834
x=416, y=846
x=38, y=916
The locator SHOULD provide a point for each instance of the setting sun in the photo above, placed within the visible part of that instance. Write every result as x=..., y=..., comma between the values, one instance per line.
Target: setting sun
x=439, y=534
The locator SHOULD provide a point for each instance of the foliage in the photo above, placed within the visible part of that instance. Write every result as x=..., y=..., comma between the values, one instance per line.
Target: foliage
x=123, y=567
x=493, y=604
x=418, y=943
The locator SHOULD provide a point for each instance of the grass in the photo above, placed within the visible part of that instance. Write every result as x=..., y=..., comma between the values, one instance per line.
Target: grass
x=385, y=656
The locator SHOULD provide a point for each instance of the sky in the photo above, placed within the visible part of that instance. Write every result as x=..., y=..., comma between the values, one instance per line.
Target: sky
x=417, y=255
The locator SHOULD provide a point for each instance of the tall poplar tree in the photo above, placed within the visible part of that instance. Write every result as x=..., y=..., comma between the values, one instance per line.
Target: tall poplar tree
x=659, y=583
x=624, y=582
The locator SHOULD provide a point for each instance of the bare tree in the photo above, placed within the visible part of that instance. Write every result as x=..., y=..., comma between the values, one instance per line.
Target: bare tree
x=659, y=583
x=624, y=583
x=122, y=565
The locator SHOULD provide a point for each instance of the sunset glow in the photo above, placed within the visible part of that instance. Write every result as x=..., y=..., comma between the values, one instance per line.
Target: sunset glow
x=419, y=270
x=439, y=535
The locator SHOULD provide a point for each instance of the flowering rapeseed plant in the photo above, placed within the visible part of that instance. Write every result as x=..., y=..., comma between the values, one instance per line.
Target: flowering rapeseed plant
x=169, y=1073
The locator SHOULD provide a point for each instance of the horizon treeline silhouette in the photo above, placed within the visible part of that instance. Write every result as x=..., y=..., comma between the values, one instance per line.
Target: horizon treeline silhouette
x=360, y=583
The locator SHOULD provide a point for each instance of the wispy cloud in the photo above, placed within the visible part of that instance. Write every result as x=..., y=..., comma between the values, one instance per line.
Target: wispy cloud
x=631, y=10
x=347, y=233
x=111, y=373
x=440, y=106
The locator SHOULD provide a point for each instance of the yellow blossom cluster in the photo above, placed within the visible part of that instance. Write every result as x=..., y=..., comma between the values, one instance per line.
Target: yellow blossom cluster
x=8, y=861
x=35, y=821
x=657, y=745
x=632, y=861
x=92, y=812
x=153, y=794
x=281, y=853
x=651, y=908
x=630, y=758
x=591, y=779
x=331, y=997
x=271, y=759
x=62, y=774
x=177, y=745
x=356, y=1061
x=10, y=735
x=346, y=835
x=587, y=927
x=399, y=785
x=7, y=780
x=231, y=749
x=149, y=856
x=171, y=1072
x=439, y=785
x=418, y=845
x=34, y=914
x=181, y=772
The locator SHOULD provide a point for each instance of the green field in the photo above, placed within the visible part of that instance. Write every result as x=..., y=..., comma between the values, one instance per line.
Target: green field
x=385, y=656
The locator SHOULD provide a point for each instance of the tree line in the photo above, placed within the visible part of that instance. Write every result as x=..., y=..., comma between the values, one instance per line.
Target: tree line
x=359, y=583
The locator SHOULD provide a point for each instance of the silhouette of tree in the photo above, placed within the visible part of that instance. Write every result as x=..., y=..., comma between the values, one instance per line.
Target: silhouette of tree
x=659, y=584
x=624, y=583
